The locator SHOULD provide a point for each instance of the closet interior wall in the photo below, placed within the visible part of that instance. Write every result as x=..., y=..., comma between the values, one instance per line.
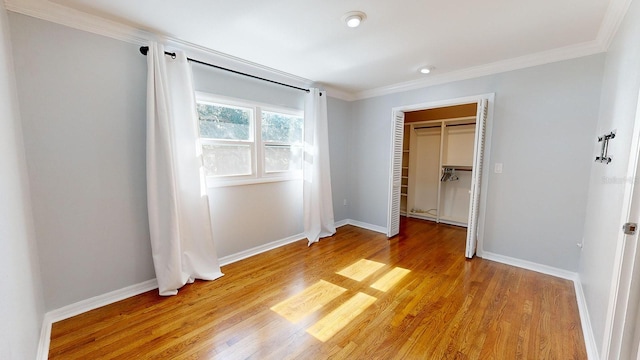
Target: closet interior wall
x=437, y=163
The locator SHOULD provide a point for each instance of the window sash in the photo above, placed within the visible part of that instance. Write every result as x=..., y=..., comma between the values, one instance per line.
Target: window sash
x=283, y=164
x=263, y=168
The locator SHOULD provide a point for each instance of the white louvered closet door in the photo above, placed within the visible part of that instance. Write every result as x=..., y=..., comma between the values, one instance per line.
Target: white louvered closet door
x=478, y=157
x=396, y=175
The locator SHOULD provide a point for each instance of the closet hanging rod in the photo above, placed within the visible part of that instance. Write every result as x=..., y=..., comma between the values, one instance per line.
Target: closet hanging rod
x=145, y=49
x=437, y=126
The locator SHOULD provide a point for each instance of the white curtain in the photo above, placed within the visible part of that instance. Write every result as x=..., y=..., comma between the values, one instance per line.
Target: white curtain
x=317, y=198
x=179, y=220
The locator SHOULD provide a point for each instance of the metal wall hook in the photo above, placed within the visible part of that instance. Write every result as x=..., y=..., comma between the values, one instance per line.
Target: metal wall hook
x=604, y=156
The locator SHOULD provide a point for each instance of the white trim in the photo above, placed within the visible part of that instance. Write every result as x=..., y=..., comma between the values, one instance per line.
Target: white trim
x=50, y=11
x=60, y=14
x=291, y=239
x=484, y=182
x=624, y=260
x=529, y=265
x=367, y=226
x=213, y=182
x=585, y=320
x=83, y=306
x=95, y=302
x=526, y=61
x=338, y=93
x=360, y=224
x=587, y=330
x=45, y=339
x=226, y=260
x=612, y=19
x=130, y=291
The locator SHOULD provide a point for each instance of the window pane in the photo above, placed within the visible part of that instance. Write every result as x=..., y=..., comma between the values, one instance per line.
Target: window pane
x=226, y=160
x=282, y=158
x=281, y=128
x=224, y=122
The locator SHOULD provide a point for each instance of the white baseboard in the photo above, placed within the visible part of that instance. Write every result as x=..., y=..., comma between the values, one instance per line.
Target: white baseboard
x=129, y=291
x=259, y=249
x=585, y=320
x=45, y=339
x=587, y=330
x=364, y=225
x=529, y=265
x=84, y=306
x=133, y=290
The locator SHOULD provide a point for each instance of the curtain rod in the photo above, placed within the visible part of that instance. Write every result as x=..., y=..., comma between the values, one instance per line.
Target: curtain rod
x=145, y=49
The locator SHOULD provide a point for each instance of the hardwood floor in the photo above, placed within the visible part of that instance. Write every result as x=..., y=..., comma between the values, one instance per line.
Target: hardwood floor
x=356, y=295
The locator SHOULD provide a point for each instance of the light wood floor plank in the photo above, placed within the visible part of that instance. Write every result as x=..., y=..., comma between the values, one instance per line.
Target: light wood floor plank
x=414, y=296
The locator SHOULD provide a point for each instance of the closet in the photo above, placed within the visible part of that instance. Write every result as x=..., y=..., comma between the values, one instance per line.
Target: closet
x=437, y=164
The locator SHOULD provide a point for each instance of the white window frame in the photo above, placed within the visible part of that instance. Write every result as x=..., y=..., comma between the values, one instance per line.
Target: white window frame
x=263, y=144
x=258, y=173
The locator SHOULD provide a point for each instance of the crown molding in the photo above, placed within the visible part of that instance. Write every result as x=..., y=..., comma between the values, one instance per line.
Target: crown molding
x=541, y=58
x=56, y=13
x=338, y=93
x=614, y=16
x=59, y=14
x=612, y=19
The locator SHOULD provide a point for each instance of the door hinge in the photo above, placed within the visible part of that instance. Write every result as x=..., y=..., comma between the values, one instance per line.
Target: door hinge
x=630, y=228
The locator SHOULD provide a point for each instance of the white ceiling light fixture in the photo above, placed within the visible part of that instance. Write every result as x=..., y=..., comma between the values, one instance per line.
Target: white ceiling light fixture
x=426, y=69
x=353, y=19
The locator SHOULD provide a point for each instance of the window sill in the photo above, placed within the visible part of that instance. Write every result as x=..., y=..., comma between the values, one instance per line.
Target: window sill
x=217, y=183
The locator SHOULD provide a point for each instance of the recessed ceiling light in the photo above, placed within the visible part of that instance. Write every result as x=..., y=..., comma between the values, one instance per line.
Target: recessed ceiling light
x=425, y=69
x=354, y=18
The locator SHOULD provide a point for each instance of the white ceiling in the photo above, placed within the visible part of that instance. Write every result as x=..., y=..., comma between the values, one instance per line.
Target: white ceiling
x=308, y=39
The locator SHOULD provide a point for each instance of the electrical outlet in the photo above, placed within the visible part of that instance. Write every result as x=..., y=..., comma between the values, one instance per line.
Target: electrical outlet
x=344, y=202
x=497, y=168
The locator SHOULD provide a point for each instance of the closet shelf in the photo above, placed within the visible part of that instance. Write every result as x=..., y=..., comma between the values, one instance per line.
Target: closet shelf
x=458, y=167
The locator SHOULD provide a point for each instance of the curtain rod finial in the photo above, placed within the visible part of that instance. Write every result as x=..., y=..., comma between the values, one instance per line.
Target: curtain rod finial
x=144, y=50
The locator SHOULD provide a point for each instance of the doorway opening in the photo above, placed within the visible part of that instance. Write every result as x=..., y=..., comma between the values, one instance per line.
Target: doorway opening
x=437, y=159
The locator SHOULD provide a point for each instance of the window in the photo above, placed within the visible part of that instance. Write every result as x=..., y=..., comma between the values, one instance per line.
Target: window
x=282, y=141
x=245, y=143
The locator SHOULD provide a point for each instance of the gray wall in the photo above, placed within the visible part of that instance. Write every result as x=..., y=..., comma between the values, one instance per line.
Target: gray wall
x=339, y=115
x=604, y=216
x=543, y=126
x=248, y=216
x=21, y=302
x=82, y=99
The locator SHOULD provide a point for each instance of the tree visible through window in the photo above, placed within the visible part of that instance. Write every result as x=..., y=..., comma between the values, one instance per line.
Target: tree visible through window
x=282, y=139
x=223, y=122
x=227, y=141
x=233, y=148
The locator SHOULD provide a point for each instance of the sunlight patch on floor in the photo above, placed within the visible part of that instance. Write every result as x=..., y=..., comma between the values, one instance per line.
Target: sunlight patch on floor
x=329, y=325
x=390, y=279
x=360, y=270
x=308, y=301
